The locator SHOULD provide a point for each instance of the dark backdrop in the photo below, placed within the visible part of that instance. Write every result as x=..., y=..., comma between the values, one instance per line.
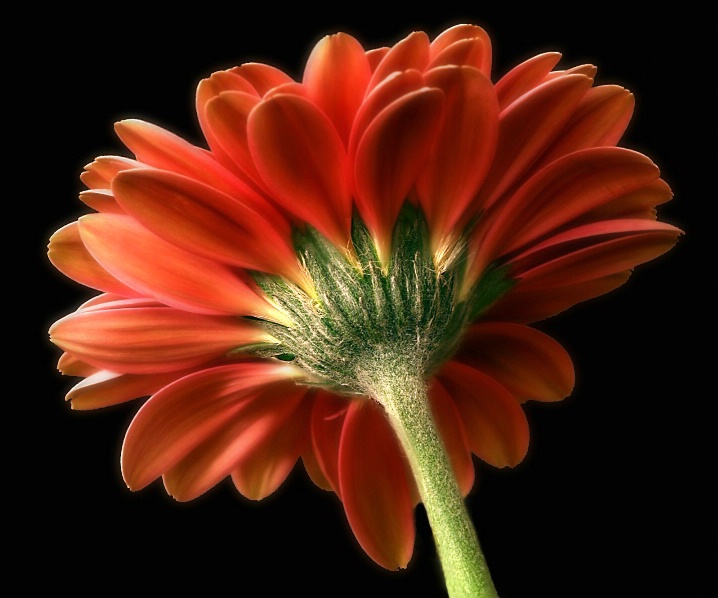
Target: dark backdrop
x=616, y=496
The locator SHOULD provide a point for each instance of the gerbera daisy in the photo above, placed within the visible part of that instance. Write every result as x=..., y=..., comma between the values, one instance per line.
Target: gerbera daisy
x=346, y=275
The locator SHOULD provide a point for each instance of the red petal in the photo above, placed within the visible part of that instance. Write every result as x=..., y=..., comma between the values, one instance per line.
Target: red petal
x=180, y=279
x=105, y=388
x=533, y=305
x=450, y=40
x=494, y=421
x=260, y=418
x=600, y=120
x=528, y=363
x=146, y=340
x=227, y=116
x=162, y=149
x=99, y=173
x=527, y=127
x=375, y=56
x=301, y=157
x=69, y=255
x=262, y=77
x=524, y=77
x=268, y=464
x=390, y=155
x=206, y=222
x=327, y=422
x=636, y=204
x=451, y=430
x=630, y=243
x=389, y=90
x=186, y=413
x=464, y=150
x=466, y=52
x=375, y=486
x=101, y=200
x=336, y=76
x=565, y=190
x=412, y=52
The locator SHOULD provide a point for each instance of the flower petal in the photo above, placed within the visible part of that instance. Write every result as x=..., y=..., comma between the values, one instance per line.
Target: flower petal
x=606, y=248
x=375, y=486
x=532, y=305
x=451, y=430
x=494, y=421
x=99, y=173
x=264, y=469
x=636, y=204
x=206, y=222
x=147, y=340
x=448, y=47
x=327, y=423
x=389, y=157
x=412, y=52
x=226, y=116
x=183, y=415
x=464, y=150
x=101, y=200
x=262, y=77
x=524, y=135
x=524, y=77
x=527, y=362
x=70, y=365
x=261, y=417
x=105, y=388
x=159, y=148
x=600, y=120
x=69, y=255
x=180, y=279
x=336, y=76
x=309, y=175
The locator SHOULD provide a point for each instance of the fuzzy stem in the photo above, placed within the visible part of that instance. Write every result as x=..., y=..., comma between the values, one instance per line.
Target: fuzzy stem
x=403, y=394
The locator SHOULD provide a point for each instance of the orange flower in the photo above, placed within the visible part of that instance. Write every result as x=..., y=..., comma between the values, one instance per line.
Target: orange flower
x=396, y=206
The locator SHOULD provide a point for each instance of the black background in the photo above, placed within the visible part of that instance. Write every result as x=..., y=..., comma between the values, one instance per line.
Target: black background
x=616, y=496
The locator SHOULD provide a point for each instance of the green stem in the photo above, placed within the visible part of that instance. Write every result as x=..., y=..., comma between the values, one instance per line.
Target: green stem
x=404, y=397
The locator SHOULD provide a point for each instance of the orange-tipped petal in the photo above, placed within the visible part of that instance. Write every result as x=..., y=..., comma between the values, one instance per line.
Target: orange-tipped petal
x=375, y=486
x=494, y=421
x=101, y=200
x=264, y=469
x=327, y=422
x=227, y=116
x=69, y=255
x=302, y=159
x=105, y=388
x=524, y=77
x=206, y=222
x=260, y=418
x=160, y=148
x=450, y=47
x=99, y=173
x=567, y=189
x=528, y=363
x=524, y=135
x=451, y=430
x=262, y=77
x=375, y=56
x=412, y=52
x=70, y=365
x=600, y=120
x=464, y=150
x=336, y=76
x=533, y=305
x=183, y=415
x=180, y=279
x=389, y=157
x=389, y=90
x=603, y=249
x=147, y=340
x=636, y=204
